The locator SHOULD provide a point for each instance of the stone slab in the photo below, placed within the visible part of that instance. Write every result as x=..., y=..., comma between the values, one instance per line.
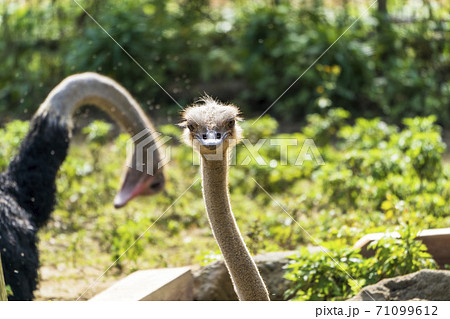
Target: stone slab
x=437, y=241
x=166, y=284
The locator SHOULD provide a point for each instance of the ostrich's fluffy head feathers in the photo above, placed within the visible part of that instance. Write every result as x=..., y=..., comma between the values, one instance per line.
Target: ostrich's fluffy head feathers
x=210, y=125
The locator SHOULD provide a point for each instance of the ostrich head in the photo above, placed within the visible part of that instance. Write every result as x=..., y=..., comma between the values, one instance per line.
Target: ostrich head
x=137, y=181
x=211, y=127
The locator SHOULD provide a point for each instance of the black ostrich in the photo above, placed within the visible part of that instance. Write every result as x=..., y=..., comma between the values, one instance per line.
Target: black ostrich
x=27, y=187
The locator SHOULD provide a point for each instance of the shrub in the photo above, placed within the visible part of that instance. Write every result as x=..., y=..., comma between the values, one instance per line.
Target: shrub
x=246, y=52
x=338, y=274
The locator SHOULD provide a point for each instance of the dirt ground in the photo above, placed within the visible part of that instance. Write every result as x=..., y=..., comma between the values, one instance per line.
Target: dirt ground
x=61, y=283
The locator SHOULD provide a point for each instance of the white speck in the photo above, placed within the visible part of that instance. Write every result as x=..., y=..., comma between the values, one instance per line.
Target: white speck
x=273, y=163
x=224, y=26
x=73, y=198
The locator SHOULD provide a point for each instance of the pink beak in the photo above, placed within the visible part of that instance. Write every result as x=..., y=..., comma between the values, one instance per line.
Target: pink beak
x=136, y=184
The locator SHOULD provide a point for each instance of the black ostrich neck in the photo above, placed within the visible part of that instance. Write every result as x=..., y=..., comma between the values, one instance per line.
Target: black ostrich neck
x=35, y=167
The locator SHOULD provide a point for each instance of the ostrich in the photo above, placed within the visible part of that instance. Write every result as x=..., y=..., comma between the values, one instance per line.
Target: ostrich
x=27, y=187
x=211, y=129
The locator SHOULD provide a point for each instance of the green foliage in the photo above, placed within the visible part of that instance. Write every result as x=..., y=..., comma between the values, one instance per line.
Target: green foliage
x=10, y=137
x=366, y=134
x=400, y=256
x=97, y=135
x=265, y=127
x=338, y=274
x=324, y=276
x=376, y=160
x=97, y=132
x=324, y=127
x=424, y=146
x=172, y=131
x=247, y=52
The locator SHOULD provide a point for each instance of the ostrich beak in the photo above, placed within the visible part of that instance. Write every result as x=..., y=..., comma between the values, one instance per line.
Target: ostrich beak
x=137, y=183
x=212, y=138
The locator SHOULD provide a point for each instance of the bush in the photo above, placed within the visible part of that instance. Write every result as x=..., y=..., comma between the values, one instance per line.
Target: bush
x=246, y=52
x=338, y=274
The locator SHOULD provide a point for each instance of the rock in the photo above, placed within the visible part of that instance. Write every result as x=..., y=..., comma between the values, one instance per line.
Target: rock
x=431, y=285
x=271, y=268
x=213, y=282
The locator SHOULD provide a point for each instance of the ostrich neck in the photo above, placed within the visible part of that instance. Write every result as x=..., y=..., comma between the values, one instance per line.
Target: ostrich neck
x=93, y=89
x=43, y=150
x=244, y=274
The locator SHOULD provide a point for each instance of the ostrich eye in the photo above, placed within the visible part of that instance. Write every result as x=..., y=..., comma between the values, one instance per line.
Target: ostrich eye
x=190, y=127
x=230, y=124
